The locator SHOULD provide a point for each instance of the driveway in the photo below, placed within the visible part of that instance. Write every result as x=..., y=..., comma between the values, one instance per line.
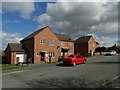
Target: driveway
x=94, y=74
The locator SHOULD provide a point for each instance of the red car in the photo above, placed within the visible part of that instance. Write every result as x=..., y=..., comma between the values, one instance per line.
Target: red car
x=73, y=60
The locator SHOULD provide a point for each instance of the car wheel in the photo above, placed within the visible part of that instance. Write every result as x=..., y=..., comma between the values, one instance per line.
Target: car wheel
x=74, y=64
x=84, y=61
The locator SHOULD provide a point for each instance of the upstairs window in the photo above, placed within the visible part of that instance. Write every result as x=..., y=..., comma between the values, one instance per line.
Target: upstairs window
x=52, y=43
x=42, y=41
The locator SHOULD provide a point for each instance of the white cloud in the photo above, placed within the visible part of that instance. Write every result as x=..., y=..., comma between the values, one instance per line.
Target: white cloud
x=18, y=0
x=9, y=38
x=108, y=28
x=44, y=19
x=78, y=18
x=81, y=16
x=60, y=0
x=24, y=8
x=88, y=0
x=107, y=41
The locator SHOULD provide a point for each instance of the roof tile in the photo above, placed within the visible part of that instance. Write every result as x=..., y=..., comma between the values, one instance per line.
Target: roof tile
x=17, y=47
x=83, y=39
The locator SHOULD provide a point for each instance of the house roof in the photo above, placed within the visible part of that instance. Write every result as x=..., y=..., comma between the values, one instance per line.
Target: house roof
x=63, y=37
x=83, y=39
x=34, y=34
x=16, y=47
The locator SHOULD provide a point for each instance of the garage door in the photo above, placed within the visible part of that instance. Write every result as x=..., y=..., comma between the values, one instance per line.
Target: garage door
x=22, y=57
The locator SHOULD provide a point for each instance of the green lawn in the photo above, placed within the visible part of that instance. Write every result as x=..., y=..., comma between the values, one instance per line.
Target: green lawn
x=8, y=66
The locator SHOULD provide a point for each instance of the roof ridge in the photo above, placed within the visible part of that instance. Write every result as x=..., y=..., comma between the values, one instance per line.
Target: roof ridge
x=63, y=37
x=34, y=33
x=83, y=39
x=14, y=43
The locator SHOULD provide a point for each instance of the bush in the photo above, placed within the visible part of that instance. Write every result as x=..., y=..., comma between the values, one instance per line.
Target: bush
x=85, y=54
x=60, y=58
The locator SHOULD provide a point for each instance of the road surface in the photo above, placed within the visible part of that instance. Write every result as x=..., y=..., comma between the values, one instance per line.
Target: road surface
x=99, y=71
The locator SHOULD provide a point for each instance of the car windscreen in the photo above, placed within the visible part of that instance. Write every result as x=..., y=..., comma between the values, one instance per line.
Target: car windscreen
x=78, y=56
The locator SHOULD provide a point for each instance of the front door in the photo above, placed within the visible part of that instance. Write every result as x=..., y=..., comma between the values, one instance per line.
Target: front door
x=42, y=56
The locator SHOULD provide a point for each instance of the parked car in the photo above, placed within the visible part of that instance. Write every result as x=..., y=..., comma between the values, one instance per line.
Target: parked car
x=111, y=52
x=74, y=60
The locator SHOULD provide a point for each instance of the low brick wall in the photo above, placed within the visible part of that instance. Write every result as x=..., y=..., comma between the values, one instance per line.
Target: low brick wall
x=98, y=53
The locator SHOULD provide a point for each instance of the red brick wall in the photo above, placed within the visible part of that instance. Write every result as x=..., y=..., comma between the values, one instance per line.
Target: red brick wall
x=70, y=45
x=8, y=55
x=35, y=45
x=13, y=57
x=30, y=44
x=48, y=35
x=81, y=48
x=92, y=45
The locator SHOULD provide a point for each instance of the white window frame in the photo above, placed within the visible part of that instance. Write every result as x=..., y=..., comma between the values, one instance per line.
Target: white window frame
x=37, y=54
x=52, y=43
x=42, y=41
x=52, y=54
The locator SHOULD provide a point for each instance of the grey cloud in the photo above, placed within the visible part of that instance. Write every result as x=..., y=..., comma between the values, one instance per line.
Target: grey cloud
x=107, y=41
x=81, y=15
x=9, y=38
x=24, y=8
x=79, y=18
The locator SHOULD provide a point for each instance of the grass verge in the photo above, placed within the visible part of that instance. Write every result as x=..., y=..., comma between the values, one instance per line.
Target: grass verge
x=8, y=66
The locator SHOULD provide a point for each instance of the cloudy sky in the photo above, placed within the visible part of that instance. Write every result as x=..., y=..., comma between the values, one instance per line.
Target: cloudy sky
x=76, y=19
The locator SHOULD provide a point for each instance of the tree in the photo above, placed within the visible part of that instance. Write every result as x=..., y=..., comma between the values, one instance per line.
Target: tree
x=103, y=49
x=100, y=49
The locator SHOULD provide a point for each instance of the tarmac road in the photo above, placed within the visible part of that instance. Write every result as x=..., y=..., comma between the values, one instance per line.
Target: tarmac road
x=95, y=73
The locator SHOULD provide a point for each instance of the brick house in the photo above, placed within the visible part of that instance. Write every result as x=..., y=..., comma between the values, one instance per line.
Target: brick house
x=85, y=45
x=66, y=44
x=15, y=53
x=43, y=45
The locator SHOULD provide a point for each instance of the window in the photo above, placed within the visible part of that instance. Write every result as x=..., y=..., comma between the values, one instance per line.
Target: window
x=62, y=43
x=52, y=43
x=42, y=41
x=51, y=54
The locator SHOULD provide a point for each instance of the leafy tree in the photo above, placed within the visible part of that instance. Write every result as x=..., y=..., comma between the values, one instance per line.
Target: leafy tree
x=103, y=49
x=100, y=49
